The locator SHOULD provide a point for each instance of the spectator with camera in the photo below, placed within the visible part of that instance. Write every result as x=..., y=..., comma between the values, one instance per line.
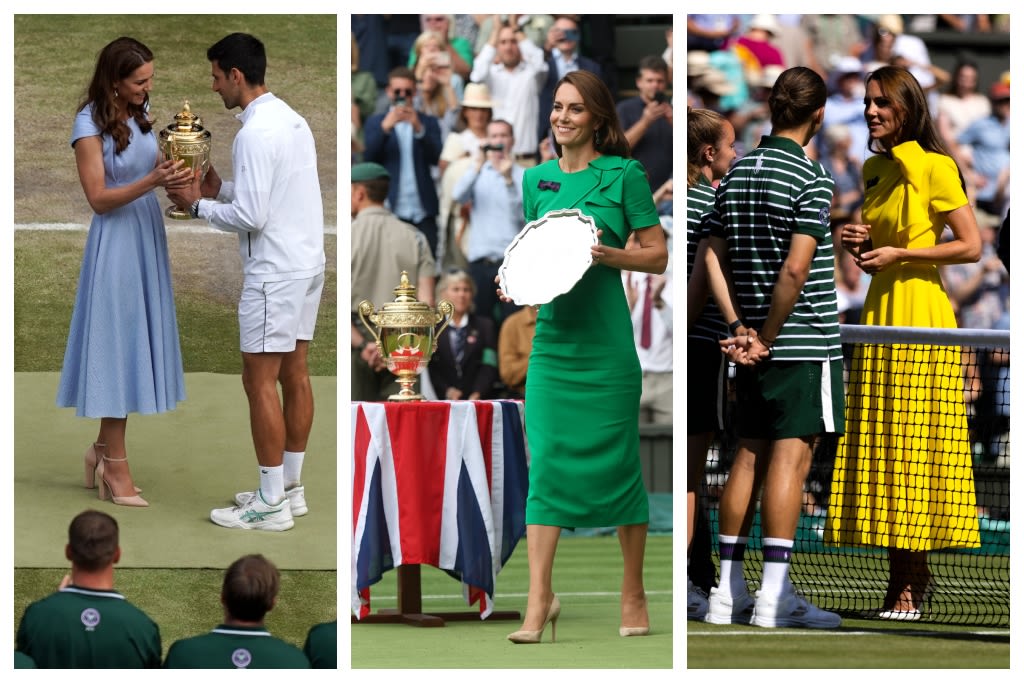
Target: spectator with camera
x=562, y=53
x=493, y=185
x=647, y=120
x=407, y=143
x=514, y=70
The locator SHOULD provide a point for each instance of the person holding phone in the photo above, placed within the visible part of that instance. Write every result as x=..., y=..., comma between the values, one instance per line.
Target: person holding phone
x=562, y=53
x=438, y=87
x=405, y=138
x=647, y=120
x=493, y=186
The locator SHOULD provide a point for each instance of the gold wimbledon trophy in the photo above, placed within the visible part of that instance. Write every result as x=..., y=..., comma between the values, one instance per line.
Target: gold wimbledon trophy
x=186, y=140
x=406, y=334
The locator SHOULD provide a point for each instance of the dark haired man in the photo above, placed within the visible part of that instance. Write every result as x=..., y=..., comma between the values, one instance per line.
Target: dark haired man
x=647, y=121
x=407, y=142
x=86, y=624
x=242, y=641
x=275, y=206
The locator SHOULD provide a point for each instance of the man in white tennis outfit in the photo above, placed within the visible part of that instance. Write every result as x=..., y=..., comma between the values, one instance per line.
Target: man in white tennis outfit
x=275, y=206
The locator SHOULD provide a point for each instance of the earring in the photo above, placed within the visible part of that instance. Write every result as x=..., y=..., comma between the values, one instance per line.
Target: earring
x=115, y=93
x=597, y=137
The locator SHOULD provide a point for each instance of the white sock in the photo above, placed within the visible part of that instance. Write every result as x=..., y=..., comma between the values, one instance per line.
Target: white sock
x=293, y=468
x=732, y=569
x=272, y=484
x=776, y=564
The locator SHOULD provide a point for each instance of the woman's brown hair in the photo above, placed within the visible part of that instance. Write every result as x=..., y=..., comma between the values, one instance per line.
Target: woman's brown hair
x=914, y=122
x=797, y=94
x=609, y=137
x=117, y=61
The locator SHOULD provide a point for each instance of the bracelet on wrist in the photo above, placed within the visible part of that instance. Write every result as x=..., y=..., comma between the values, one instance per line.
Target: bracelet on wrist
x=735, y=325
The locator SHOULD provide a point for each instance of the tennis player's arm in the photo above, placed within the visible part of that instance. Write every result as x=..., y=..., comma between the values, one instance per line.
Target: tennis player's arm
x=719, y=279
x=794, y=274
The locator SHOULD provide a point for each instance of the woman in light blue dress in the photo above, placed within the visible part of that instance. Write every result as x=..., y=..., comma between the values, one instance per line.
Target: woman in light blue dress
x=123, y=353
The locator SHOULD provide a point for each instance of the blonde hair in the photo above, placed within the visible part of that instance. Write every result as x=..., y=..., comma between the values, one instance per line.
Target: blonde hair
x=437, y=105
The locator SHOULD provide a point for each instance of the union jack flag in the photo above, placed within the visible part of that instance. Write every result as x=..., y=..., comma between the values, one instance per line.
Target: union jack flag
x=438, y=483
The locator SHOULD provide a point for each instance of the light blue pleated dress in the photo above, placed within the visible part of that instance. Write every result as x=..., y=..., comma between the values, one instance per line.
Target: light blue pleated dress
x=123, y=353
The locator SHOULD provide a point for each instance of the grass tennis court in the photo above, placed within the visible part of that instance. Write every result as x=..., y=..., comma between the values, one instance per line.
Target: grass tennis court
x=587, y=574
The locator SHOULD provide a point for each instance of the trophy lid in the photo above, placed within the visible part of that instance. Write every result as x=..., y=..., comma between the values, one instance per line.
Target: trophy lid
x=185, y=120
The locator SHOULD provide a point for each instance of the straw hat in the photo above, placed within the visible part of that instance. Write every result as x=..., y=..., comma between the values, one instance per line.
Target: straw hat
x=697, y=63
x=716, y=82
x=477, y=95
x=893, y=23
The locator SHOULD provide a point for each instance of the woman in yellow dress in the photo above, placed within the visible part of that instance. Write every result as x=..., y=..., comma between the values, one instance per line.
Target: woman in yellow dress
x=903, y=478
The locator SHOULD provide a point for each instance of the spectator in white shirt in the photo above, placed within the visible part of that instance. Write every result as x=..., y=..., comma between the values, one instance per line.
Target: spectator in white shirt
x=515, y=80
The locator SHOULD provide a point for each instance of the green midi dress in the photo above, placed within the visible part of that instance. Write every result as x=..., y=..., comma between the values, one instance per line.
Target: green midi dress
x=583, y=381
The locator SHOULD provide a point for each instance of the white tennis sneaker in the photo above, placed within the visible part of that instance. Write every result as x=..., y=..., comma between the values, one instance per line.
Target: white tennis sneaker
x=696, y=602
x=296, y=498
x=791, y=609
x=256, y=513
x=727, y=609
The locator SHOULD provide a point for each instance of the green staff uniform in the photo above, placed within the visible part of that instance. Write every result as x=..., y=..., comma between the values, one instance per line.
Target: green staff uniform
x=82, y=628
x=235, y=647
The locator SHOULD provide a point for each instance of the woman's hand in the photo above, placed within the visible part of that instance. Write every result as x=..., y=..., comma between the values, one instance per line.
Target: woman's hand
x=598, y=251
x=877, y=260
x=853, y=237
x=501, y=294
x=172, y=173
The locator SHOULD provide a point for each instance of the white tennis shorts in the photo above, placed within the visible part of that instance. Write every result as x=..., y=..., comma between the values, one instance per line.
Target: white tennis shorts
x=273, y=315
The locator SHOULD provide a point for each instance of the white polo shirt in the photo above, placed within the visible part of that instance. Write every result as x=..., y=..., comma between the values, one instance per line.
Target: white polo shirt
x=515, y=93
x=274, y=202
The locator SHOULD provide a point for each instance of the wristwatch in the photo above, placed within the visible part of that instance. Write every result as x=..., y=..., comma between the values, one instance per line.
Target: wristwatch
x=735, y=325
x=194, y=209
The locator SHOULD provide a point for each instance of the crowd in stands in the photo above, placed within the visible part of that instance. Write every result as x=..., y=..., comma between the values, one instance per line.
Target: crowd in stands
x=447, y=112
x=732, y=63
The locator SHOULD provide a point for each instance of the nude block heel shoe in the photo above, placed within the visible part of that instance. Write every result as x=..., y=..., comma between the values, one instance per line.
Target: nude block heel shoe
x=524, y=637
x=105, y=491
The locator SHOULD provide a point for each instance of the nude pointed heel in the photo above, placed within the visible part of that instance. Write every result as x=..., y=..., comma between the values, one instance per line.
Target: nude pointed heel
x=629, y=631
x=91, y=459
x=105, y=491
x=524, y=637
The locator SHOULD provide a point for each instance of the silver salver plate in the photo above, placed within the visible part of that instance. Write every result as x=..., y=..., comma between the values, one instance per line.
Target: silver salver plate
x=548, y=257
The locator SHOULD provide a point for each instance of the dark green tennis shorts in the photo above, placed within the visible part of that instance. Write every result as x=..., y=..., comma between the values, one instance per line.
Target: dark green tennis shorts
x=790, y=399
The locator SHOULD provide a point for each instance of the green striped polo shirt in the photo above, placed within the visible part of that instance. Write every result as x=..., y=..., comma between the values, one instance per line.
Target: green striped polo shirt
x=769, y=195
x=700, y=199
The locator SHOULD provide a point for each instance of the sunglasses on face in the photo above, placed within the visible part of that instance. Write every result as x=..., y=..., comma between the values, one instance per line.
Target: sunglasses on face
x=406, y=92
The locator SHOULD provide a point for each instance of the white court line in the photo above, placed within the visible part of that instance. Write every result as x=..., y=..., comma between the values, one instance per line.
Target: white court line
x=841, y=632
x=172, y=226
x=597, y=594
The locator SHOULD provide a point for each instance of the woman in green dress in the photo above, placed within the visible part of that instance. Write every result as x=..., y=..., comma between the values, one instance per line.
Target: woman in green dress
x=583, y=382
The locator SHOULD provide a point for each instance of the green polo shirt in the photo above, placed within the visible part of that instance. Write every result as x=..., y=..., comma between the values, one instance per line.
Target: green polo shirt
x=321, y=646
x=235, y=647
x=80, y=628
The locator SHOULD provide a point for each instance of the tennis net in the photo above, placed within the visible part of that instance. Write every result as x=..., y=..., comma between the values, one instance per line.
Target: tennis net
x=969, y=585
